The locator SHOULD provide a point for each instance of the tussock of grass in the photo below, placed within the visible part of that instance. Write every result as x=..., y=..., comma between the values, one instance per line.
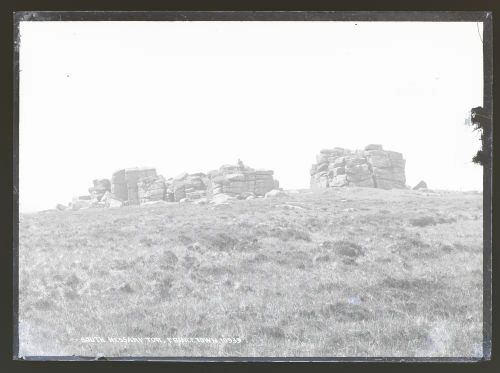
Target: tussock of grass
x=274, y=332
x=342, y=311
x=414, y=285
x=423, y=221
x=343, y=248
x=287, y=234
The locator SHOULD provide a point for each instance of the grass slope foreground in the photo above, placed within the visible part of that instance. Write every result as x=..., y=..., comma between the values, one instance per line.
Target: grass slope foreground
x=340, y=272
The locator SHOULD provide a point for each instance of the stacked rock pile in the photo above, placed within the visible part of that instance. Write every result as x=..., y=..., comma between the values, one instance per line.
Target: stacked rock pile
x=133, y=186
x=124, y=183
x=190, y=186
x=241, y=181
x=371, y=167
x=151, y=188
x=101, y=186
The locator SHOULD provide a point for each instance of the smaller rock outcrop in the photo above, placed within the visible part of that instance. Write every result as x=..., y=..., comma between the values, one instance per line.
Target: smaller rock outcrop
x=241, y=181
x=421, y=185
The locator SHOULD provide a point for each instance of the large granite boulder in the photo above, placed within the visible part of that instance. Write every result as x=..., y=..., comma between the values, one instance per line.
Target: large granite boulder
x=151, y=188
x=124, y=183
x=372, y=167
x=240, y=181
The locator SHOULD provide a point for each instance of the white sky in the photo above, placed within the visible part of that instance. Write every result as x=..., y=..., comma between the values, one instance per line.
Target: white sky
x=190, y=96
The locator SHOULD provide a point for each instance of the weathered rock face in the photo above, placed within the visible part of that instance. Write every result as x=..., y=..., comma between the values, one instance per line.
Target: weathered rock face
x=190, y=186
x=372, y=167
x=151, y=188
x=241, y=181
x=124, y=183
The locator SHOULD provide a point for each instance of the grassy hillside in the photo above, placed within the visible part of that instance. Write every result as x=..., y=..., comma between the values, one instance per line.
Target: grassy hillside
x=339, y=272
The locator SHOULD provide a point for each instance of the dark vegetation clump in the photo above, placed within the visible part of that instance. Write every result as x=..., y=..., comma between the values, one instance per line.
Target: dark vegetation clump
x=344, y=248
x=446, y=220
x=481, y=122
x=287, y=234
x=419, y=285
x=346, y=312
x=272, y=332
x=423, y=221
x=223, y=241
